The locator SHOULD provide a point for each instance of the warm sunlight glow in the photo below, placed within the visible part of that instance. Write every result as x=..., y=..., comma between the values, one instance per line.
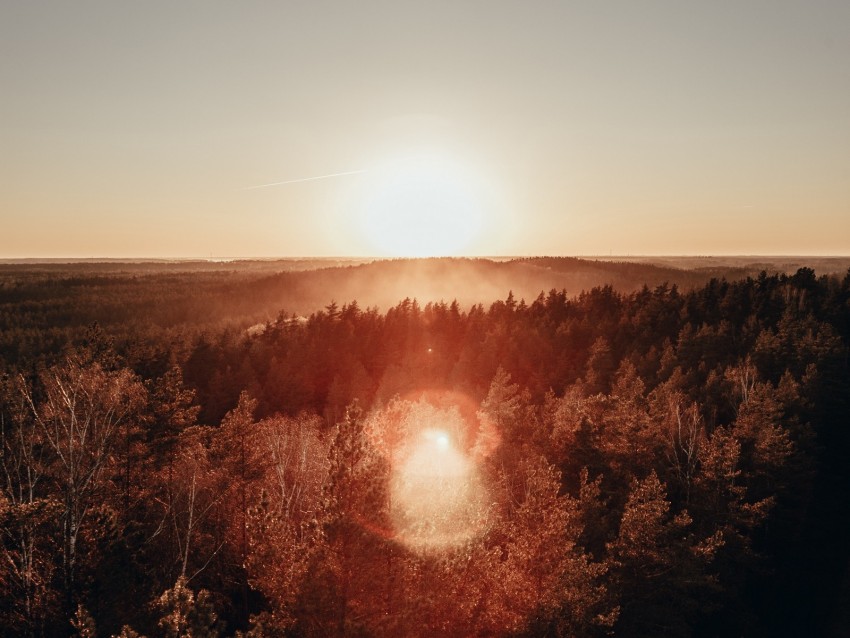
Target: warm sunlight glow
x=442, y=440
x=422, y=206
x=436, y=494
x=438, y=498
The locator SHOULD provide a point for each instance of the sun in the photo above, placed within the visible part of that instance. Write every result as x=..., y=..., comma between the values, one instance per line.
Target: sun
x=423, y=206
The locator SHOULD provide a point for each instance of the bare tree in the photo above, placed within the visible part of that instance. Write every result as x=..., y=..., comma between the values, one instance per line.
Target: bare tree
x=80, y=417
x=187, y=507
x=283, y=527
x=25, y=512
x=685, y=434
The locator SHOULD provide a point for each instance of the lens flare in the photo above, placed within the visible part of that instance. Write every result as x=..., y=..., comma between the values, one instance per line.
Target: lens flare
x=438, y=499
x=436, y=494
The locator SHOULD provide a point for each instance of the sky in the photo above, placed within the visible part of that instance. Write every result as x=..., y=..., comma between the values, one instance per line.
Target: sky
x=196, y=129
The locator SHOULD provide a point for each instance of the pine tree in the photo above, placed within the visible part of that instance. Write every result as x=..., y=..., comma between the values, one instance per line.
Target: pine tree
x=185, y=615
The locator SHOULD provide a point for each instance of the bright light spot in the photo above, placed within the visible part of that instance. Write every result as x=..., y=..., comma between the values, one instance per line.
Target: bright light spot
x=423, y=206
x=438, y=500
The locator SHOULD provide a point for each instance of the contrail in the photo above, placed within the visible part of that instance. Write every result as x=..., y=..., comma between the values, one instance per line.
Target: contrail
x=304, y=179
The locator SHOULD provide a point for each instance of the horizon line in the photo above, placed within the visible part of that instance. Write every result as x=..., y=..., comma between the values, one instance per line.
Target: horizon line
x=258, y=258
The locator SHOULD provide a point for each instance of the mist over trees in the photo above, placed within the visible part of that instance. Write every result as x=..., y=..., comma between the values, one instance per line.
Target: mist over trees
x=43, y=306
x=628, y=460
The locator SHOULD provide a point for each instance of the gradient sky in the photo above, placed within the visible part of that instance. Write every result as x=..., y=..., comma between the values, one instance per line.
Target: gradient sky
x=140, y=128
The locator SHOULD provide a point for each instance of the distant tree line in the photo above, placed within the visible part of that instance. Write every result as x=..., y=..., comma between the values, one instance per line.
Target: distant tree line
x=45, y=306
x=656, y=462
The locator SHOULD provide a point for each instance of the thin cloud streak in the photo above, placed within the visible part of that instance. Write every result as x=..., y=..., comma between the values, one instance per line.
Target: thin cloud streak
x=304, y=179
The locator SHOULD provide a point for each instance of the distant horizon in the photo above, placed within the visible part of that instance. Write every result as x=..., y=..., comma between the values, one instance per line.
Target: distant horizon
x=132, y=259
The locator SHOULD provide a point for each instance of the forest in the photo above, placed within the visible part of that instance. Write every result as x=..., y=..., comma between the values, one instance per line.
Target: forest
x=438, y=448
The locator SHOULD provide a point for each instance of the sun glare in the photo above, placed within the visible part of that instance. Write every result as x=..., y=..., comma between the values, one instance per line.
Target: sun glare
x=437, y=496
x=424, y=206
x=442, y=440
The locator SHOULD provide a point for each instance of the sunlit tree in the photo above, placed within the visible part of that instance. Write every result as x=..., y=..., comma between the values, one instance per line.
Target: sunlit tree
x=28, y=514
x=283, y=528
x=82, y=412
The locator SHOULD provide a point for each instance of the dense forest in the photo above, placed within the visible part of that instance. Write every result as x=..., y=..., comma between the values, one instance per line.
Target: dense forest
x=44, y=305
x=204, y=453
